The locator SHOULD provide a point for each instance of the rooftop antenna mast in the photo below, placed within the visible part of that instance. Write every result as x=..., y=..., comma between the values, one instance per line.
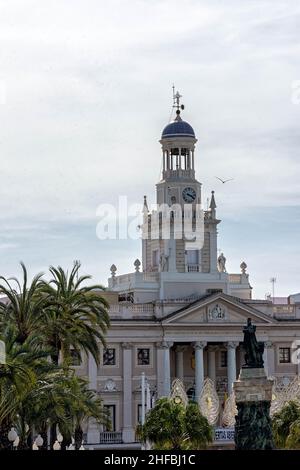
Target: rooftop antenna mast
x=273, y=281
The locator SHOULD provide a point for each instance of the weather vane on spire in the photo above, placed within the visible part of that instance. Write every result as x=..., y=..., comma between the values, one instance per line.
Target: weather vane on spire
x=176, y=100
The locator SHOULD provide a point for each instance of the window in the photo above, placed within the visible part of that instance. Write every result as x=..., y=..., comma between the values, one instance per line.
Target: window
x=143, y=357
x=192, y=256
x=214, y=291
x=155, y=257
x=284, y=355
x=75, y=357
x=111, y=409
x=223, y=358
x=109, y=357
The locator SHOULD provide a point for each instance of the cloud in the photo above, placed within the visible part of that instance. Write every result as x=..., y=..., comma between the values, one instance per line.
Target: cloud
x=88, y=91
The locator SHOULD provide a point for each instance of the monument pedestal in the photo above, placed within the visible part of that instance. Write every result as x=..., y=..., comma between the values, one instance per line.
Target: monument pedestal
x=253, y=395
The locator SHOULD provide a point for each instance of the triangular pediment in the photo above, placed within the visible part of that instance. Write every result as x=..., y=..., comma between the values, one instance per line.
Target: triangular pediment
x=217, y=309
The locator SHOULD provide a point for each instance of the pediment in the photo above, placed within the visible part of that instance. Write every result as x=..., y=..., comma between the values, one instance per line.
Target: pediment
x=218, y=309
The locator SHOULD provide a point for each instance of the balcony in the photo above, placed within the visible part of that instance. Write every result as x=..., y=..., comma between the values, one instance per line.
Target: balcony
x=132, y=280
x=133, y=309
x=193, y=268
x=111, y=437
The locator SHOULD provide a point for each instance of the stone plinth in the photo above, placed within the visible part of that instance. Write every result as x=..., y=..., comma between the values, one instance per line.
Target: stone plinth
x=253, y=394
x=253, y=385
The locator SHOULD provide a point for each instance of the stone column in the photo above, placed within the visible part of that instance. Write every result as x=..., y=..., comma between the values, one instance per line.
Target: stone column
x=179, y=362
x=269, y=358
x=128, y=430
x=231, y=364
x=199, y=367
x=212, y=362
x=93, y=435
x=213, y=252
x=163, y=369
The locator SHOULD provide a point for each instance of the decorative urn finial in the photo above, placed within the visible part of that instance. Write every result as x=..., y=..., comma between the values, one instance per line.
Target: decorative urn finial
x=137, y=265
x=243, y=267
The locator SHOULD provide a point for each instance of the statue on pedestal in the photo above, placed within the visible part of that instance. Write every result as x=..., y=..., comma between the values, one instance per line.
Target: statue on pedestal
x=253, y=395
x=164, y=262
x=222, y=263
x=253, y=349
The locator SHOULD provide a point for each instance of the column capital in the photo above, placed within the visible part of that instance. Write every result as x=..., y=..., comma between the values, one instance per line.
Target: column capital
x=268, y=344
x=127, y=345
x=212, y=348
x=164, y=344
x=232, y=344
x=199, y=344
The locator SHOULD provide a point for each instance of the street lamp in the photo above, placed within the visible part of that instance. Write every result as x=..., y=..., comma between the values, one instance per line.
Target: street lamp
x=16, y=442
x=81, y=447
x=39, y=441
x=56, y=445
x=12, y=436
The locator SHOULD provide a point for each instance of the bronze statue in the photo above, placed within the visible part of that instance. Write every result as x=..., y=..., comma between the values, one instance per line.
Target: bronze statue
x=253, y=349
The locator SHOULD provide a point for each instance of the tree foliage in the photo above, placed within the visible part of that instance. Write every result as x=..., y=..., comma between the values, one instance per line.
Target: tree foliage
x=40, y=322
x=171, y=426
x=286, y=426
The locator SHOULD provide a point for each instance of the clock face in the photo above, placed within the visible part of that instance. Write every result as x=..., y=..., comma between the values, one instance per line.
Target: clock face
x=189, y=194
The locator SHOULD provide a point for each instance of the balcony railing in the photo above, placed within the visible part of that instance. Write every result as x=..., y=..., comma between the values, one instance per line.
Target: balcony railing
x=193, y=268
x=111, y=437
x=132, y=308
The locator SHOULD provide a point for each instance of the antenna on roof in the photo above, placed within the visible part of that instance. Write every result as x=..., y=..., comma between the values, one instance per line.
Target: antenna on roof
x=273, y=280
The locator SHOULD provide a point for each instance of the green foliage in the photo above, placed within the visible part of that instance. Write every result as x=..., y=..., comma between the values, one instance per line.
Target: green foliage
x=39, y=323
x=293, y=439
x=286, y=426
x=171, y=426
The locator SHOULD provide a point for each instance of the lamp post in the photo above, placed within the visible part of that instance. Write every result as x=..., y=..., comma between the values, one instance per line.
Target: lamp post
x=39, y=441
x=81, y=447
x=56, y=445
x=143, y=398
x=12, y=436
x=16, y=443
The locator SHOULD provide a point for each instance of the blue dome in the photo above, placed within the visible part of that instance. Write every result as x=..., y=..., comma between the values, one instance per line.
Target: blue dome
x=178, y=129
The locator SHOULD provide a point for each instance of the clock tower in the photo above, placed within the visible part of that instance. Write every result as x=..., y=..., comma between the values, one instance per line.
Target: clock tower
x=178, y=188
x=178, y=184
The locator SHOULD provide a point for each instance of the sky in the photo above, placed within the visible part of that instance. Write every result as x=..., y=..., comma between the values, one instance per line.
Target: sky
x=85, y=91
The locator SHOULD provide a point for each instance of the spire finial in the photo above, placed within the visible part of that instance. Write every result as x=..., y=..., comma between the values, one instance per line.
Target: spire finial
x=213, y=204
x=176, y=102
x=146, y=204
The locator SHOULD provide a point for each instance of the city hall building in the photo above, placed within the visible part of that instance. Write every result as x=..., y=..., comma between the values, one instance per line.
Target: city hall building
x=179, y=313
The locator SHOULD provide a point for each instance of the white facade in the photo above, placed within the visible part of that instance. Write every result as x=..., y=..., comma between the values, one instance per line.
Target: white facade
x=182, y=314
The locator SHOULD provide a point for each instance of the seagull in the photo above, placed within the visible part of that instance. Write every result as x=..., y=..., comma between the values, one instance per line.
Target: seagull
x=224, y=181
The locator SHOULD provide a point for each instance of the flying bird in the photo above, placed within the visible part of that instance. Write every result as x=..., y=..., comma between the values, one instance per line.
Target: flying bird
x=224, y=181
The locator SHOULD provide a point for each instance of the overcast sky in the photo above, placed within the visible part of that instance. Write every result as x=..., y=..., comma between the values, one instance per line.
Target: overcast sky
x=85, y=91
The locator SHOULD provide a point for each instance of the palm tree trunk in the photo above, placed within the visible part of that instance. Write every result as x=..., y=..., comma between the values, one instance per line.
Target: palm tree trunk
x=44, y=435
x=66, y=442
x=78, y=437
x=52, y=435
x=5, y=427
x=30, y=440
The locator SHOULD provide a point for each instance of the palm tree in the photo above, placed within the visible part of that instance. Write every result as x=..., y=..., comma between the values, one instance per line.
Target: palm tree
x=22, y=304
x=171, y=426
x=17, y=378
x=81, y=404
x=76, y=316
